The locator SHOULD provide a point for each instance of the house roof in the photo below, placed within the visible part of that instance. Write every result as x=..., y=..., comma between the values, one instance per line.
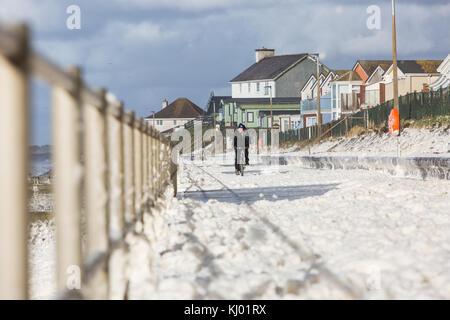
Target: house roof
x=180, y=108
x=269, y=68
x=340, y=72
x=419, y=66
x=349, y=76
x=264, y=101
x=370, y=66
x=216, y=100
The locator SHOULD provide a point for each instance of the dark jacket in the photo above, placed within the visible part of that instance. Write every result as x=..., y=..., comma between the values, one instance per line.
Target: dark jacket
x=241, y=139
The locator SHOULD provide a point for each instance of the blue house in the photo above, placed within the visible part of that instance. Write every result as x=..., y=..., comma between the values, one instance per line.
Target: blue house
x=309, y=110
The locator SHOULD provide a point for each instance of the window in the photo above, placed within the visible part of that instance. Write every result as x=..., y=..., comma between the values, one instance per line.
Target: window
x=266, y=89
x=243, y=115
x=249, y=116
x=257, y=87
x=174, y=122
x=159, y=122
x=310, y=121
x=248, y=85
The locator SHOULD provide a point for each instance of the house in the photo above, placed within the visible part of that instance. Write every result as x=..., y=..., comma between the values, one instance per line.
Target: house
x=372, y=91
x=345, y=94
x=444, y=80
x=255, y=112
x=413, y=75
x=309, y=90
x=309, y=110
x=281, y=76
x=271, y=83
x=175, y=114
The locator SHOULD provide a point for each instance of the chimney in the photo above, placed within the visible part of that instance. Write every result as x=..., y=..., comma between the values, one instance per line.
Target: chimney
x=164, y=103
x=264, y=53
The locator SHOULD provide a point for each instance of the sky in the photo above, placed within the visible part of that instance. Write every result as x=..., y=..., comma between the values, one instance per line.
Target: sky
x=145, y=51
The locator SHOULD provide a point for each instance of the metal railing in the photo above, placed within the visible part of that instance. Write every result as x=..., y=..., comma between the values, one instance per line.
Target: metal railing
x=109, y=166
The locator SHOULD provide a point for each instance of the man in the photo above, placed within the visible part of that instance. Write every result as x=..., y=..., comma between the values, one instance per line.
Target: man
x=241, y=141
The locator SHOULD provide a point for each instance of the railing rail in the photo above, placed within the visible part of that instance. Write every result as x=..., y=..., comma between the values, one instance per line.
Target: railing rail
x=108, y=165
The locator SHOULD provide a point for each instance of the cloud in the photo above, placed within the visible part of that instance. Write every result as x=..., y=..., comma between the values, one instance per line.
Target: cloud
x=143, y=32
x=194, y=5
x=148, y=50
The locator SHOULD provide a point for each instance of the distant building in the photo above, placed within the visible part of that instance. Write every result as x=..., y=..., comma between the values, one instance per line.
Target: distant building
x=281, y=76
x=345, y=94
x=175, y=114
x=444, y=80
x=372, y=92
x=413, y=75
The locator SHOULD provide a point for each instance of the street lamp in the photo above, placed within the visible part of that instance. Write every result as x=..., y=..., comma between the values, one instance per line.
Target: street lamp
x=271, y=114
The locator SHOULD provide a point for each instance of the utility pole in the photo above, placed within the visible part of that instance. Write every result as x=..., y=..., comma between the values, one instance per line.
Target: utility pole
x=270, y=98
x=214, y=104
x=394, y=54
x=394, y=64
x=271, y=114
x=319, y=114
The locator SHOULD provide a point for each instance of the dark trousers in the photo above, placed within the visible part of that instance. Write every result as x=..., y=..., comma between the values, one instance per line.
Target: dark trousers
x=236, y=158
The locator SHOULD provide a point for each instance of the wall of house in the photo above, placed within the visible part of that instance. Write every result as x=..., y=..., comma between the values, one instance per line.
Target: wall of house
x=409, y=84
x=340, y=89
x=376, y=77
x=240, y=89
x=291, y=83
x=167, y=123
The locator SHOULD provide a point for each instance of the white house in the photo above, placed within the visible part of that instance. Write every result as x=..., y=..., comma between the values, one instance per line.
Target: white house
x=309, y=91
x=175, y=114
x=345, y=94
x=444, y=79
x=413, y=75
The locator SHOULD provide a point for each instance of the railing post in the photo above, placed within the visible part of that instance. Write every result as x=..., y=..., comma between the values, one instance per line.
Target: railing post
x=96, y=195
x=116, y=266
x=154, y=162
x=68, y=173
x=14, y=124
x=138, y=166
x=128, y=150
x=116, y=171
x=159, y=163
x=150, y=161
x=145, y=161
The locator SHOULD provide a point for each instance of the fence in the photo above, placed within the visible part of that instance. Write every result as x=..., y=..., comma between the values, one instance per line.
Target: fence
x=206, y=121
x=108, y=167
x=417, y=105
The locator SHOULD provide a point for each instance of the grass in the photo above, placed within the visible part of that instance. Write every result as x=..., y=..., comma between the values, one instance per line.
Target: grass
x=429, y=122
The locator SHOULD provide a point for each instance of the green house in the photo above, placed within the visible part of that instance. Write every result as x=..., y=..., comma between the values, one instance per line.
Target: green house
x=255, y=112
